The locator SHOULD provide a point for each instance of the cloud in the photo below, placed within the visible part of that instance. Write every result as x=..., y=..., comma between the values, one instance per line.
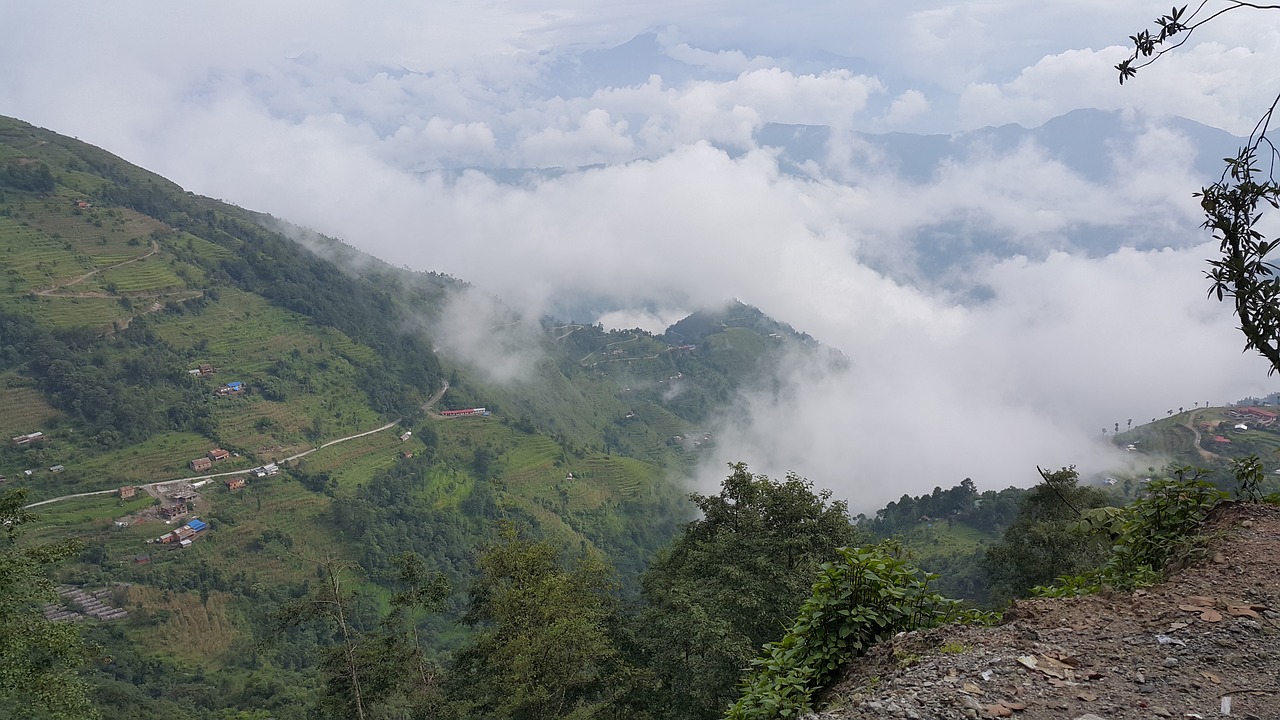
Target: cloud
x=1036, y=330
x=479, y=331
x=1066, y=347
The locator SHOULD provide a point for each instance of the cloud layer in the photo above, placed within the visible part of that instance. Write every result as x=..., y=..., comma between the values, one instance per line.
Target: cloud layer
x=998, y=309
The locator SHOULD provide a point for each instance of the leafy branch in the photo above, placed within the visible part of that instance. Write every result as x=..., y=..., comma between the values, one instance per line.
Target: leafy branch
x=1233, y=206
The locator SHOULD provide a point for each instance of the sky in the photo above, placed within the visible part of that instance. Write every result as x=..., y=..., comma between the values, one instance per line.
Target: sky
x=998, y=310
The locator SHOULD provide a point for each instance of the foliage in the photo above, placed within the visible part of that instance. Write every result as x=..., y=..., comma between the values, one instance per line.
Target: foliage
x=543, y=646
x=124, y=390
x=39, y=659
x=725, y=587
x=1233, y=206
x=1040, y=545
x=947, y=532
x=28, y=175
x=862, y=598
x=1148, y=535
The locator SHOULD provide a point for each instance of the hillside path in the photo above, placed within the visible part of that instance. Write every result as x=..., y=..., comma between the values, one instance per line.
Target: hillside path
x=1190, y=424
x=47, y=292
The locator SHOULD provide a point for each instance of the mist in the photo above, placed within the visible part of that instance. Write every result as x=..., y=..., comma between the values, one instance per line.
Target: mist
x=998, y=308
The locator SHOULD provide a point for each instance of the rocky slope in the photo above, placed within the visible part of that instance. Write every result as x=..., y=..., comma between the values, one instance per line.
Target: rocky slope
x=1204, y=644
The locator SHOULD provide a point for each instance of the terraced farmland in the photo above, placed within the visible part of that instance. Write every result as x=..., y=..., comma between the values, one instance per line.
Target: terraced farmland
x=24, y=408
x=152, y=273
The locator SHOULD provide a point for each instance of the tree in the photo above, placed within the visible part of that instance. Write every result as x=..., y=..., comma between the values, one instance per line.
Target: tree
x=38, y=659
x=543, y=647
x=1040, y=546
x=1234, y=205
x=732, y=582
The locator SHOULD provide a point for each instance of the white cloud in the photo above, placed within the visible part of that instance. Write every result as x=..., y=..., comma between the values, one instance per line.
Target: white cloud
x=320, y=113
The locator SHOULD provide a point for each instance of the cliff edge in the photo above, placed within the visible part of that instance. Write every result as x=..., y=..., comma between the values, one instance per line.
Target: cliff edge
x=1203, y=644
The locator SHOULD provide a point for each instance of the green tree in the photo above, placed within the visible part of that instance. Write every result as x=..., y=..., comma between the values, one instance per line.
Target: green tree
x=543, y=646
x=732, y=582
x=39, y=659
x=1234, y=205
x=1041, y=545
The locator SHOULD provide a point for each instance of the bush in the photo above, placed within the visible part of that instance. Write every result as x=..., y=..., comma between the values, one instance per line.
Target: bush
x=863, y=598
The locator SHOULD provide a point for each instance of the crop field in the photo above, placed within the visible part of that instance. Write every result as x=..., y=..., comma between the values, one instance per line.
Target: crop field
x=93, y=514
x=153, y=273
x=63, y=312
x=199, y=246
x=22, y=408
x=355, y=461
x=33, y=259
x=96, y=231
x=243, y=333
x=195, y=632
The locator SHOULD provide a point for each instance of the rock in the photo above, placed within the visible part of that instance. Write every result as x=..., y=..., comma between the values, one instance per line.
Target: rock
x=970, y=703
x=1170, y=662
x=1090, y=716
x=1160, y=711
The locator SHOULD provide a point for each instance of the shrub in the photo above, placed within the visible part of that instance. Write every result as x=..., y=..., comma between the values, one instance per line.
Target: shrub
x=864, y=597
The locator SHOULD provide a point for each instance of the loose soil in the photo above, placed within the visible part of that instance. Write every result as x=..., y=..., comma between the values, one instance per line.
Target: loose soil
x=1203, y=644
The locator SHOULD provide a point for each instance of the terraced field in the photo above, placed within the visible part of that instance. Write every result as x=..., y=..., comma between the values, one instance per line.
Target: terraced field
x=33, y=259
x=22, y=408
x=148, y=274
x=60, y=312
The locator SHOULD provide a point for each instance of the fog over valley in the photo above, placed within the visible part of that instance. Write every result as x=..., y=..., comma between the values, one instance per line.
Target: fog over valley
x=1000, y=238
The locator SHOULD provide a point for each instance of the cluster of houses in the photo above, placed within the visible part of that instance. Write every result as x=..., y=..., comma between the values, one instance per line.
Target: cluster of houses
x=203, y=369
x=1260, y=417
x=201, y=464
x=91, y=604
x=184, y=535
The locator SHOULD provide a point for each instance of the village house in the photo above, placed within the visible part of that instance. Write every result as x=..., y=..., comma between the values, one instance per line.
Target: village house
x=56, y=469
x=235, y=483
x=29, y=438
x=405, y=435
x=169, y=512
x=266, y=470
x=218, y=454
x=231, y=388
x=201, y=464
x=1264, y=417
x=127, y=492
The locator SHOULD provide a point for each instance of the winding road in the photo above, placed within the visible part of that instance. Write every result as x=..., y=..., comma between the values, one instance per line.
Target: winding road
x=200, y=480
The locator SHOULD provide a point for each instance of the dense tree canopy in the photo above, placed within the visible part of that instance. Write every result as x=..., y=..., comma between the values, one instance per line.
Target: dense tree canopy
x=732, y=582
x=39, y=660
x=1040, y=546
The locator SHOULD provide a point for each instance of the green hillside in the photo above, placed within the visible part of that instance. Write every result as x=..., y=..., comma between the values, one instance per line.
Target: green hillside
x=143, y=327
